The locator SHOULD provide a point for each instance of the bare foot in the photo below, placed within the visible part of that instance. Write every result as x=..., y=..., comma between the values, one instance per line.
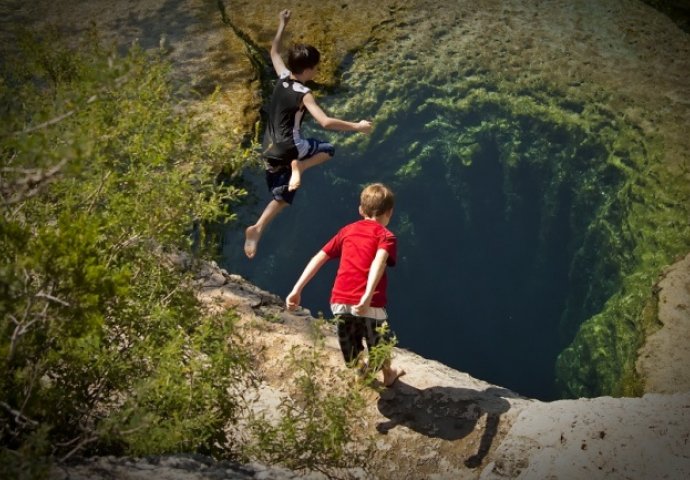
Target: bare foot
x=251, y=240
x=391, y=375
x=295, y=176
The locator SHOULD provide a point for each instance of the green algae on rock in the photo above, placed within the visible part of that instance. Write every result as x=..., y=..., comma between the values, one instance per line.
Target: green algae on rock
x=596, y=164
x=564, y=106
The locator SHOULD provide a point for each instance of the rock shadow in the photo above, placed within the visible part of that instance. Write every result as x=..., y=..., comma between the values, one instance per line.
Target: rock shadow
x=448, y=413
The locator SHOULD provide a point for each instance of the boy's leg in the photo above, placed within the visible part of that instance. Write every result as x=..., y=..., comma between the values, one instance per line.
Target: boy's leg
x=253, y=232
x=300, y=166
x=374, y=338
x=318, y=153
x=276, y=180
x=350, y=338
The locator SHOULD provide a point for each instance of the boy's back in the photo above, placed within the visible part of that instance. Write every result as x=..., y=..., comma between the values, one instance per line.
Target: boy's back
x=356, y=245
x=285, y=115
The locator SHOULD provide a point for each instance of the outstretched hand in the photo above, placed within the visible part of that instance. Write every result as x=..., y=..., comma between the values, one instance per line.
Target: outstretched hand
x=293, y=300
x=285, y=16
x=364, y=126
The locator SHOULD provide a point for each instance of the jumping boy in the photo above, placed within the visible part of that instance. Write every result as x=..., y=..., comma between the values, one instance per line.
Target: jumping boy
x=286, y=153
x=358, y=298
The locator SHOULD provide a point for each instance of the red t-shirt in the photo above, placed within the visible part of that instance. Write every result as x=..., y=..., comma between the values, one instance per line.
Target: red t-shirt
x=356, y=245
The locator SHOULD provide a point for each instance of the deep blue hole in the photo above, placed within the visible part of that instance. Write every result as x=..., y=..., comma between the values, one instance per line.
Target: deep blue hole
x=486, y=248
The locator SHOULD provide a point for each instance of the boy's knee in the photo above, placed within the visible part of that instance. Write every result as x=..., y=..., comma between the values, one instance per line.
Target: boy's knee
x=330, y=151
x=327, y=149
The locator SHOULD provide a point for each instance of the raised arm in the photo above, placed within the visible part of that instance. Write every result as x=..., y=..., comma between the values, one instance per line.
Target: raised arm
x=294, y=297
x=330, y=123
x=278, y=63
x=378, y=266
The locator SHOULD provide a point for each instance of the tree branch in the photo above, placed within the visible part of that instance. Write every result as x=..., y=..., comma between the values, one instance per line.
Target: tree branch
x=19, y=415
x=52, y=298
x=30, y=185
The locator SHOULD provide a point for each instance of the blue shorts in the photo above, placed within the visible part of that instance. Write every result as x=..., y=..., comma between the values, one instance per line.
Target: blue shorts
x=317, y=146
x=278, y=176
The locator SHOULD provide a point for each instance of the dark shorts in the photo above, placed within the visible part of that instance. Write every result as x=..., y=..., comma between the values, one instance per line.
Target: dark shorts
x=278, y=179
x=318, y=146
x=278, y=171
x=354, y=331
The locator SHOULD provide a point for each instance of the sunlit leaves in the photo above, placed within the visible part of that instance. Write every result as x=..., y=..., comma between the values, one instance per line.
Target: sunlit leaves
x=103, y=178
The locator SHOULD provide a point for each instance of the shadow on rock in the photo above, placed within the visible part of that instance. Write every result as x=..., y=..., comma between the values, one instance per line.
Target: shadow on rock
x=445, y=412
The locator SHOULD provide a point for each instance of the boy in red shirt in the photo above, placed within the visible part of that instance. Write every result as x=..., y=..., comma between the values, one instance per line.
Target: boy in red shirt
x=358, y=298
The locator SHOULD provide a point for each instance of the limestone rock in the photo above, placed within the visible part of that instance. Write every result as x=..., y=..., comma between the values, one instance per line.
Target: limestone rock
x=665, y=357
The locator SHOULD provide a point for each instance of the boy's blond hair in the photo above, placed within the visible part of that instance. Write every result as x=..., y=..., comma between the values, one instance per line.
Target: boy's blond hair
x=376, y=199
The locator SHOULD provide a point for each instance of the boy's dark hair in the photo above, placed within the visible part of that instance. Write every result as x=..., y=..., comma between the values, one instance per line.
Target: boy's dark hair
x=301, y=56
x=376, y=199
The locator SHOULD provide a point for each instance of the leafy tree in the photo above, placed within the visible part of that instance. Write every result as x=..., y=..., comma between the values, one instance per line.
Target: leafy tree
x=105, y=183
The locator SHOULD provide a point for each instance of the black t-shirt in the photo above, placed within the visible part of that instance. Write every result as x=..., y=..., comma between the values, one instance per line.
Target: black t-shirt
x=285, y=115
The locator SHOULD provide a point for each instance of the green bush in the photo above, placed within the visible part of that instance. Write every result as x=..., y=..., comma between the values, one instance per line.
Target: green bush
x=317, y=428
x=103, y=344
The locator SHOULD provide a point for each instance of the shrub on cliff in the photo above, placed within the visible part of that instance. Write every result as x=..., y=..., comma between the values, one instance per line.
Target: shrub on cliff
x=319, y=426
x=103, y=345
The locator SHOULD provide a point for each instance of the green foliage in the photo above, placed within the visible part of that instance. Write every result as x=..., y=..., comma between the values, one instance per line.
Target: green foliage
x=103, y=345
x=380, y=354
x=29, y=461
x=184, y=404
x=574, y=163
x=316, y=429
x=650, y=234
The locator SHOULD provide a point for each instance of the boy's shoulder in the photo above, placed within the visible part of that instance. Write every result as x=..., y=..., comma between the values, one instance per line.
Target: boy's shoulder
x=297, y=86
x=367, y=226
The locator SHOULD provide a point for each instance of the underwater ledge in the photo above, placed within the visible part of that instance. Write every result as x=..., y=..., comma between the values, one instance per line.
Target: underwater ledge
x=634, y=181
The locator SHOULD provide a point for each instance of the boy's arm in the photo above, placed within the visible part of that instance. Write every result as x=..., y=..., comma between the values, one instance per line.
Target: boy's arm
x=330, y=123
x=278, y=63
x=293, y=299
x=378, y=266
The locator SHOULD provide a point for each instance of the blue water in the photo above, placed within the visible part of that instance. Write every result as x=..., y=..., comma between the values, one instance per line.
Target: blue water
x=482, y=277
